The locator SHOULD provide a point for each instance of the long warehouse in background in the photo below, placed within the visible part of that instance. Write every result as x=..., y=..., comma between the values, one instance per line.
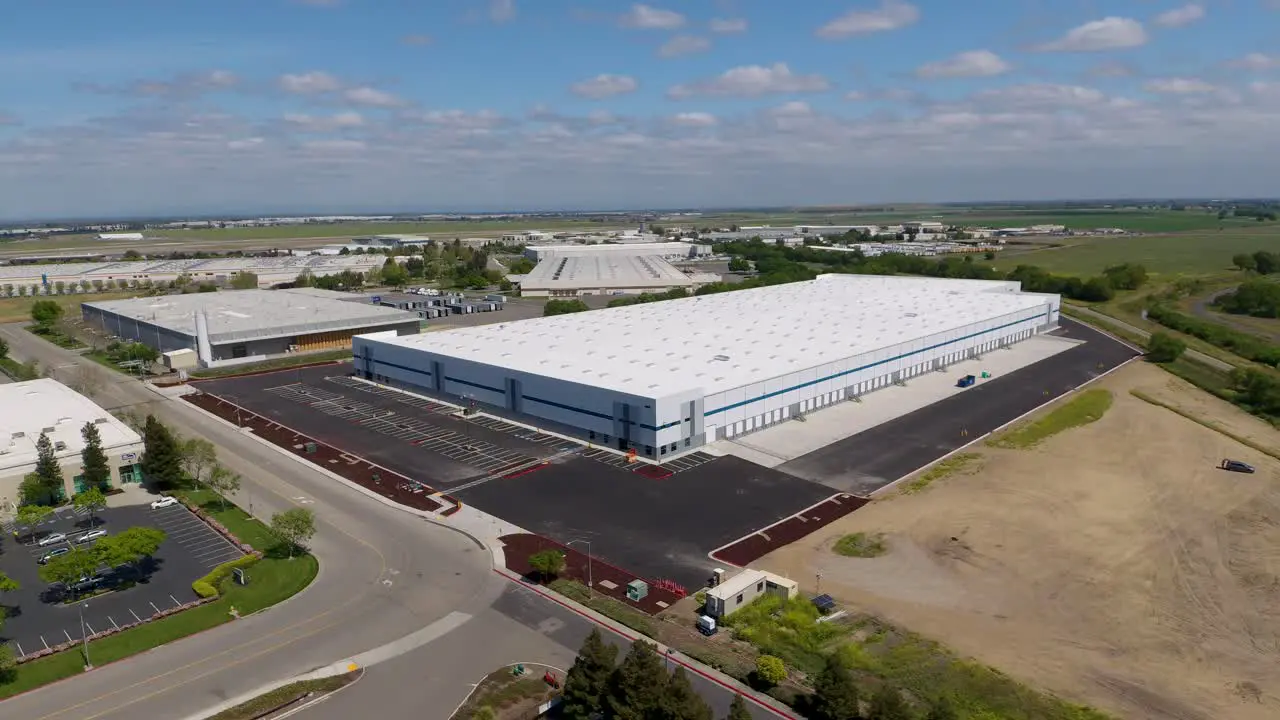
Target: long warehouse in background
x=667, y=377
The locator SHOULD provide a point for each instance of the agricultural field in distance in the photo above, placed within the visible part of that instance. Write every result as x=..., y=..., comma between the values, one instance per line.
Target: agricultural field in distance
x=1189, y=253
x=1140, y=221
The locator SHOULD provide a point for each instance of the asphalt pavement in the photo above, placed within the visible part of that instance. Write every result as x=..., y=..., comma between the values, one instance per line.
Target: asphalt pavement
x=876, y=457
x=520, y=627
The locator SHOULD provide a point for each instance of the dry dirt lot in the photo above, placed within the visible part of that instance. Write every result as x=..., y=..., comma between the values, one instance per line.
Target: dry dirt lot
x=1113, y=564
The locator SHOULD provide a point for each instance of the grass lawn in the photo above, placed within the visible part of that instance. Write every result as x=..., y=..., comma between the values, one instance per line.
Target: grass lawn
x=16, y=370
x=1087, y=407
x=1192, y=253
x=18, y=309
x=954, y=464
x=57, y=337
x=860, y=545
x=276, y=364
x=272, y=580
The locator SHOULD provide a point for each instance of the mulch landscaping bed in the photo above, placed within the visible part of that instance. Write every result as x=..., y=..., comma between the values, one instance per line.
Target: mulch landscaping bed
x=517, y=549
x=754, y=547
x=380, y=480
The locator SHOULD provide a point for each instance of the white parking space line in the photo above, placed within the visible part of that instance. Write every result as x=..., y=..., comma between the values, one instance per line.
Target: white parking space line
x=64, y=632
x=113, y=622
x=91, y=630
x=175, y=601
x=45, y=642
x=21, y=652
x=131, y=612
x=154, y=606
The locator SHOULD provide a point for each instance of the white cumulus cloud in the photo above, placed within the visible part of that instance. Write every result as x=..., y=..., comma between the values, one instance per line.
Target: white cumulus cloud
x=1177, y=17
x=890, y=15
x=501, y=11
x=684, y=45
x=603, y=86
x=309, y=83
x=371, y=97
x=1256, y=62
x=646, y=17
x=973, y=63
x=1109, y=33
x=727, y=26
x=753, y=81
x=694, y=119
x=324, y=123
x=1178, y=86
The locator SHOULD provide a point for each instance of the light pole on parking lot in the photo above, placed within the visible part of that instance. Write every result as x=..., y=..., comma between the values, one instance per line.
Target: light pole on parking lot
x=88, y=664
x=590, y=583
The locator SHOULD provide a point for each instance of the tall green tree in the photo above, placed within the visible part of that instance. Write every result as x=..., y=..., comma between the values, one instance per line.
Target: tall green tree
x=835, y=694
x=198, y=458
x=887, y=704
x=46, y=313
x=588, y=679
x=130, y=546
x=7, y=584
x=738, y=709
x=681, y=702
x=161, y=460
x=1163, y=347
x=47, y=467
x=224, y=482
x=67, y=569
x=90, y=500
x=637, y=685
x=547, y=563
x=294, y=527
x=97, y=470
x=32, y=515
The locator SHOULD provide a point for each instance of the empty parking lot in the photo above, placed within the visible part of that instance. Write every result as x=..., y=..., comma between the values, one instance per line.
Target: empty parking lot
x=37, y=616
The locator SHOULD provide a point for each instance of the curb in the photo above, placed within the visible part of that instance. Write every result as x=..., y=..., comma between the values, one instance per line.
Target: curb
x=792, y=516
x=726, y=682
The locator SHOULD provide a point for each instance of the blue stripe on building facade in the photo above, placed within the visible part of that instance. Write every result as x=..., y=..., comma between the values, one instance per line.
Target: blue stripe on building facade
x=726, y=408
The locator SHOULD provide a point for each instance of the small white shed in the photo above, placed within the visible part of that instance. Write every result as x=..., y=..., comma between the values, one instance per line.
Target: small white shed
x=743, y=588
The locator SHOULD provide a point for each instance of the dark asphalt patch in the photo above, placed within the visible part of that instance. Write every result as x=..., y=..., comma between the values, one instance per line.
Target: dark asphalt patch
x=873, y=458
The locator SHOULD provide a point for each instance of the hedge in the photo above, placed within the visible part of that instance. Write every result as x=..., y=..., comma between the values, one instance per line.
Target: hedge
x=210, y=585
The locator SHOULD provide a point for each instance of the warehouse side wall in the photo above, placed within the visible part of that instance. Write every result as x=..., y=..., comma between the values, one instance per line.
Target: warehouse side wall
x=662, y=426
x=161, y=338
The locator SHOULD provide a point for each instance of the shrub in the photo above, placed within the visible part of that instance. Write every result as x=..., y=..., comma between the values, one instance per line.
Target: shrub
x=211, y=585
x=770, y=669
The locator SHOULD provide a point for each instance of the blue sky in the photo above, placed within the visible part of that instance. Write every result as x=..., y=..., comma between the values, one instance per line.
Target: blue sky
x=164, y=107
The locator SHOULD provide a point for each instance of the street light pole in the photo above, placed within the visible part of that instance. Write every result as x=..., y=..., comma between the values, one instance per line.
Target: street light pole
x=88, y=664
x=590, y=580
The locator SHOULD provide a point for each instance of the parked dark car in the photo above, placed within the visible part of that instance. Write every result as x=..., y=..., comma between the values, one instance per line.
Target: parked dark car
x=1236, y=466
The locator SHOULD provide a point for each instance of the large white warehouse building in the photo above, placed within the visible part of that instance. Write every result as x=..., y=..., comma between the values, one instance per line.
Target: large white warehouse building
x=664, y=378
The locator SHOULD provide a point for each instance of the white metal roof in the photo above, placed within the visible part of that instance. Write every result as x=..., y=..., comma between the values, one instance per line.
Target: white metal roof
x=46, y=404
x=560, y=272
x=250, y=314
x=288, y=264
x=727, y=340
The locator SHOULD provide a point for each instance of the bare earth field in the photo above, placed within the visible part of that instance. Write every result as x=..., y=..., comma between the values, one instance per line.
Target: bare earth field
x=1113, y=564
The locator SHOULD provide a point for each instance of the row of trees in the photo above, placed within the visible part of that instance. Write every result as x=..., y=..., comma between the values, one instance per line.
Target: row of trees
x=1259, y=298
x=777, y=264
x=1261, y=262
x=127, y=548
x=170, y=461
x=563, y=307
x=1250, y=347
x=641, y=688
x=44, y=486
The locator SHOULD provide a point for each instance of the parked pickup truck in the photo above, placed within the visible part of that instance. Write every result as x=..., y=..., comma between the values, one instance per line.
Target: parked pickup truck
x=966, y=381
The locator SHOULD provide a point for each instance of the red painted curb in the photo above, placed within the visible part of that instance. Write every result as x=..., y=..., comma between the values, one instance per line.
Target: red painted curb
x=255, y=373
x=626, y=634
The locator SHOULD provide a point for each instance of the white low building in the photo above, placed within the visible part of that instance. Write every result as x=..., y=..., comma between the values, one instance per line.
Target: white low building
x=739, y=591
x=667, y=377
x=28, y=409
x=576, y=275
x=667, y=250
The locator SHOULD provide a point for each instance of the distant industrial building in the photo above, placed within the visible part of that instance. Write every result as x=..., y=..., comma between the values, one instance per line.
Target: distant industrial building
x=270, y=271
x=668, y=251
x=238, y=326
x=48, y=407
x=120, y=236
x=665, y=378
x=391, y=241
x=610, y=274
